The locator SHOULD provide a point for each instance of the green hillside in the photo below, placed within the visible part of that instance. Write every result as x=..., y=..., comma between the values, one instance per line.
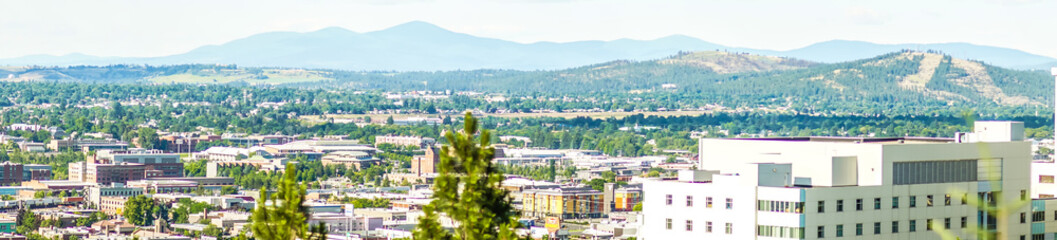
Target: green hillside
x=901, y=82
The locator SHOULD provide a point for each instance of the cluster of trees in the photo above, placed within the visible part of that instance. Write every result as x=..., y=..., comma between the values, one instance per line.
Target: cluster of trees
x=59, y=162
x=186, y=207
x=142, y=210
x=250, y=177
x=366, y=202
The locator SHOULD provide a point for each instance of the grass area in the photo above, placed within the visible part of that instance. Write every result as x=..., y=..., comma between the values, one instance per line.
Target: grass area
x=380, y=118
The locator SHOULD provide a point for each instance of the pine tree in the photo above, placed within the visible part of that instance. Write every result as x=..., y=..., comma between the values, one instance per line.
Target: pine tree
x=468, y=191
x=287, y=217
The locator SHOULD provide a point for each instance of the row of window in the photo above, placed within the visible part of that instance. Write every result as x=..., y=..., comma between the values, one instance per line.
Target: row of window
x=779, y=206
x=780, y=232
x=895, y=201
x=912, y=226
x=913, y=201
x=690, y=201
x=729, y=227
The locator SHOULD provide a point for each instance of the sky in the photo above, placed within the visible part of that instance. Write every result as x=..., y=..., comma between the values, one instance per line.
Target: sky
x=136, y=28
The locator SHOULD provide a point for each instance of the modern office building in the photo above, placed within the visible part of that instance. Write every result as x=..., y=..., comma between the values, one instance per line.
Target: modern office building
x=168, y=164
x=849, y=188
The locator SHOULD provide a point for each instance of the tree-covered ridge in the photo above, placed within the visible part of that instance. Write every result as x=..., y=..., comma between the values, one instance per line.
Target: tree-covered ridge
x=896, y=83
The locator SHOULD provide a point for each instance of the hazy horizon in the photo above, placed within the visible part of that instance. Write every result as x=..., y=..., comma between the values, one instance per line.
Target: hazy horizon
x=149, y=29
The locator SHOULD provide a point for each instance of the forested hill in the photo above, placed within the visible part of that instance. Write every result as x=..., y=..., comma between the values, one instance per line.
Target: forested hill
x=901, y=78
x=905, y=80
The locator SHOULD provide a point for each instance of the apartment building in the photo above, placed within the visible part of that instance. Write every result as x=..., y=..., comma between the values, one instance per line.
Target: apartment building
x=562, y=202
x=849, y=188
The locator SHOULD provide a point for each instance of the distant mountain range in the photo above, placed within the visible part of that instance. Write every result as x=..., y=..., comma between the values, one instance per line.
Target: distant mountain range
x=420, y=46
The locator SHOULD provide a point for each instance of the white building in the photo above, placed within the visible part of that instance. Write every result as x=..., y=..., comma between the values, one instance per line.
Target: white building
x=403, y=140
x=852, y=188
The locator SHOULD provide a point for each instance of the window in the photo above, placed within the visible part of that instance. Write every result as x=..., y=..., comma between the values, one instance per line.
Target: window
x=730, y=228
x=876, y=203
x=965, y=222
x=779, y=206
x=965, y=198
x=895, y=202
x=668, y=199
x=895, y=226
x=858, y=229
x=821, y=231
x=708, y=202
x=947, y=199
x=912, y=226
x=923, y=172
x=708, y=227
x=928, y=201
x=1038, y=216
x=821, y=206
x=668, y=223
x=840, y=205
x=730, y=203
x=1023, y=217
x=689, y=225
x=928, y=224
x=1023, y=195
x=858, y=204
x=947, y=223
x=1038, y=236
x=840, y=230
x=913, y=201
x=1045, y=178
x=689, y=201
x=877, y=228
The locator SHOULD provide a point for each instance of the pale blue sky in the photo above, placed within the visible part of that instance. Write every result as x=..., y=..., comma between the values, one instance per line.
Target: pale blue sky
x=154, y=28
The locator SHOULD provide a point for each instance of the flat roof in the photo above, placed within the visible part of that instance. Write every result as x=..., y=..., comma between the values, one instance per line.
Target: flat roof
x=852, y=139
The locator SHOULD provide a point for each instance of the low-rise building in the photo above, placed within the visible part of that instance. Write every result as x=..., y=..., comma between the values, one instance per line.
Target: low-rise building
x=7, y=225
x=95, y=194
x=107, y=227
x=112, y=205
x=317, y=147
x=165, y=186
x=403, y=140
x=354, y=159
x=32, y=147
x=38, y=172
